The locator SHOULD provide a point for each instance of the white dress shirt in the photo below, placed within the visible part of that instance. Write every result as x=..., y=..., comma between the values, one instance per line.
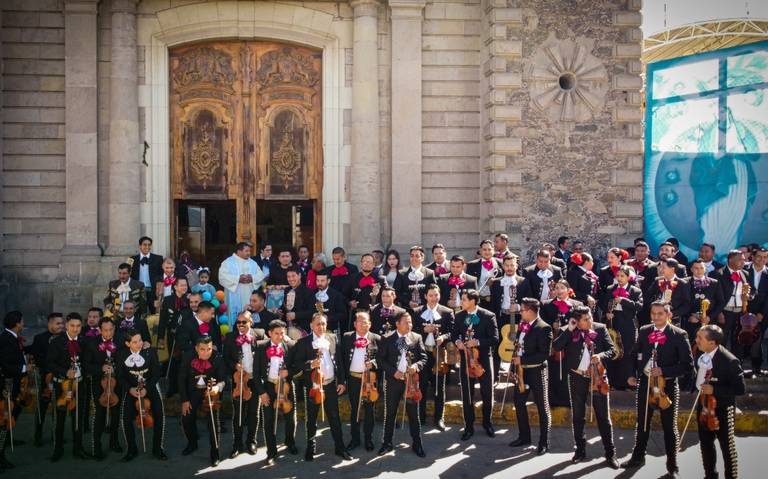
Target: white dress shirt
x=275, y=363
x=358, y=357
x=402, y=364
x=430, y=315
x=326, y=361
x=144, y=272
x=705, y=364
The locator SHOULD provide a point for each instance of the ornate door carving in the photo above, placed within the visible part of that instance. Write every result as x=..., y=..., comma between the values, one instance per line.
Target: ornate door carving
x=246, y=126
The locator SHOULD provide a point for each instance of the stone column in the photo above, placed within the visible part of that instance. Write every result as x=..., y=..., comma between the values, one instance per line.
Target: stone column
x=406, y=122
x=124, y=172
x=365, y=224
x=80, y=257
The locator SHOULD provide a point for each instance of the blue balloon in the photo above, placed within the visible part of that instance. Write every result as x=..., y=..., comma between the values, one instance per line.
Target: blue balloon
x=215, y=303
x=207, y=296
x=224, y=319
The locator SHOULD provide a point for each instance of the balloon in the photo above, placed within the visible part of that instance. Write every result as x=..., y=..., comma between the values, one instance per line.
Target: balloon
x=224, y=319
x=224, y=328
x=215, y=303
x=206, y=296
x=223, y=308
x=220, y=295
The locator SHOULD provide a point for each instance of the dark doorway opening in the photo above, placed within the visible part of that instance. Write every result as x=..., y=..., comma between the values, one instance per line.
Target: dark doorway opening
x=207, y=230
x=285, y=224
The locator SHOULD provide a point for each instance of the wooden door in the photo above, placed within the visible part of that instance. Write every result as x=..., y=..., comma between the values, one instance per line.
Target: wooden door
x=246, y=125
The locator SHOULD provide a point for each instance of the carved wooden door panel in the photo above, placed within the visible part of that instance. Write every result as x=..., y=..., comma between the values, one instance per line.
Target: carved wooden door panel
x=246, y=125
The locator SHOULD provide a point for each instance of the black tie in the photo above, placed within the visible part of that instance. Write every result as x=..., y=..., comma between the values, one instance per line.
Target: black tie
x=144, y=260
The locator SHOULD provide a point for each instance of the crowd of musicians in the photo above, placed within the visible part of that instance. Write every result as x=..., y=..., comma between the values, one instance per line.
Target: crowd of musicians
x=559, y=333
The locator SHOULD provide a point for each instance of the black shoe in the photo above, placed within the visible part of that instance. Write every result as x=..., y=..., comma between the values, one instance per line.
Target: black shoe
x=633, y=463
x=353, y=444
x=542, y=450
x=5, y=463
x=79, y=453
x=440, y=425
x=467, y=434
x=519, y=442
x=672, y=475
x=418, y=450
x=292, y=449
x=235, y=452
x=344, y=455
x=309, y=455
x=56, y=455
x=369, y=445
x=385, y=449
x=269, y=460
x=215, y=459
x=489, y=430
x=160, y=455
x=612, y=462
x=579, y=456
x=129, y=456
x=191, y=447
x=252, y=448
x=38, y=438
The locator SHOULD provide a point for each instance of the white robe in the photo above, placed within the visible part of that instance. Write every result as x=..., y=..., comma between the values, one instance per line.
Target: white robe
x=238, y=295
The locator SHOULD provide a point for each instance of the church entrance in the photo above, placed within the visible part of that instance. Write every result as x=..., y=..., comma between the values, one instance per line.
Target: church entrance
x=246, y=146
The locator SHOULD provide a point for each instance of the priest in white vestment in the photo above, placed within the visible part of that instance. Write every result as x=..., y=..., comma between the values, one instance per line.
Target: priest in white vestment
x=239, y=275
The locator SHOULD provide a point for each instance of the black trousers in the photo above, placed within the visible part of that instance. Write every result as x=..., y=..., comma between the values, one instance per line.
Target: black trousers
x=43, y=401
x=249, y=421
x=331, y=408
x=580, y=390
x=189, y=422
x=128, y=412
x=394, y=390
x=468, y=388
x=730, y=331
x=77, y=418
x=99, y=419
x=619, y=371
x=558, y=383
x=270, y=424
x=366, y=411
x=535, y=380
x=431, y=385
x=668, y=422
x=724, y=435
x=171, y=367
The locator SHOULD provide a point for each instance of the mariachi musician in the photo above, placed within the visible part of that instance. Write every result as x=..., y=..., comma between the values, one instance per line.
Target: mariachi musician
x=620, y=304
x=557, y=312
x=99, y=364
x=434, y=322
x=363, y=289
x=298, y=305
x=123, y=289
x=439, y=264
x=485, y=268
x=415, y=279
x=732, y=279
x=401, y=355
x=39, y=351
x=239, y=350
x=670, y=288
x=64, y=360
x=703, y=288
x=586, y=345
x=273, y=356
x=507, y=292
x=131, y=321
x=383, y=314
x=663, y=353
x=582, y=280
x=607, y=274
x=475, y=330
x=719, y=375
x=13, y=368
x=330, y=303
x=455, y=283
x=535, y=340
x=202, y=378
x=139, y=366
x=358, y=355
x=542, y=275
x=171, y=311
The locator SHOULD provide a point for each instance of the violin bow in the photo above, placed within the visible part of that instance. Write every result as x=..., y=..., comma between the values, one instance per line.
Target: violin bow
x=213, y=421
x=277, y=398
x=140, y=382
x=77, y=403
x=648, y=389
x=36, y=375
x=688, y=422
x=8, y=385
x=362, y=383
x=109, y=390
x=405, y=394
x=240, y=415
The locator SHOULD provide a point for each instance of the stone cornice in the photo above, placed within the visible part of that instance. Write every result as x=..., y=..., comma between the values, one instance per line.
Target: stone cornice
x=81, y=7
x=365, y=8
x=406, y=8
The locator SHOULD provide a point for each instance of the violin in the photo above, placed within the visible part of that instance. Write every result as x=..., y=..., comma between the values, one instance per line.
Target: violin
x=597, y=375
x=108, y=397
x=25, y=395
x=708, y=417
x=368, y=391
x=48, y=391
x=472, y=356
x=749, y=327
x=7, y=420
x=143, y=406
x=317, y=393
x=441, y=361
x=68, y=397
x=412, y=390
x=555, y=354
x=212, y=402
x=657, y=396
x=240, y=389
x=283, y=400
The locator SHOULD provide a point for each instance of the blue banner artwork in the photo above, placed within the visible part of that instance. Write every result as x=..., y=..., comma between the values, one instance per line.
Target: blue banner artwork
x=706, y=150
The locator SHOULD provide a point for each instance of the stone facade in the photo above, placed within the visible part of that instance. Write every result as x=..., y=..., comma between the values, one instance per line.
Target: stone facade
x=443, y=120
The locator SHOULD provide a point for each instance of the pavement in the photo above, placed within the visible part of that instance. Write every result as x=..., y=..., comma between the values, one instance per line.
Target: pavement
x=447, y=456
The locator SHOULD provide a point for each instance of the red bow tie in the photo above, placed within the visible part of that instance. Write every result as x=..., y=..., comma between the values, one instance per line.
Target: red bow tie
x=735, y=277
x=456, y=281
x=107, y=345
x=169, y=280
x=487, y=264
x=274, y=352
x=620, y=293
x=203, y=328
x=562, y=306
x=440, y=270
x=201, y=365
x=524, y=327
x=340, y=271
x=657, y=337
x=366, y=281
x=243, y=339
x=361, y=342
x=73, y=347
